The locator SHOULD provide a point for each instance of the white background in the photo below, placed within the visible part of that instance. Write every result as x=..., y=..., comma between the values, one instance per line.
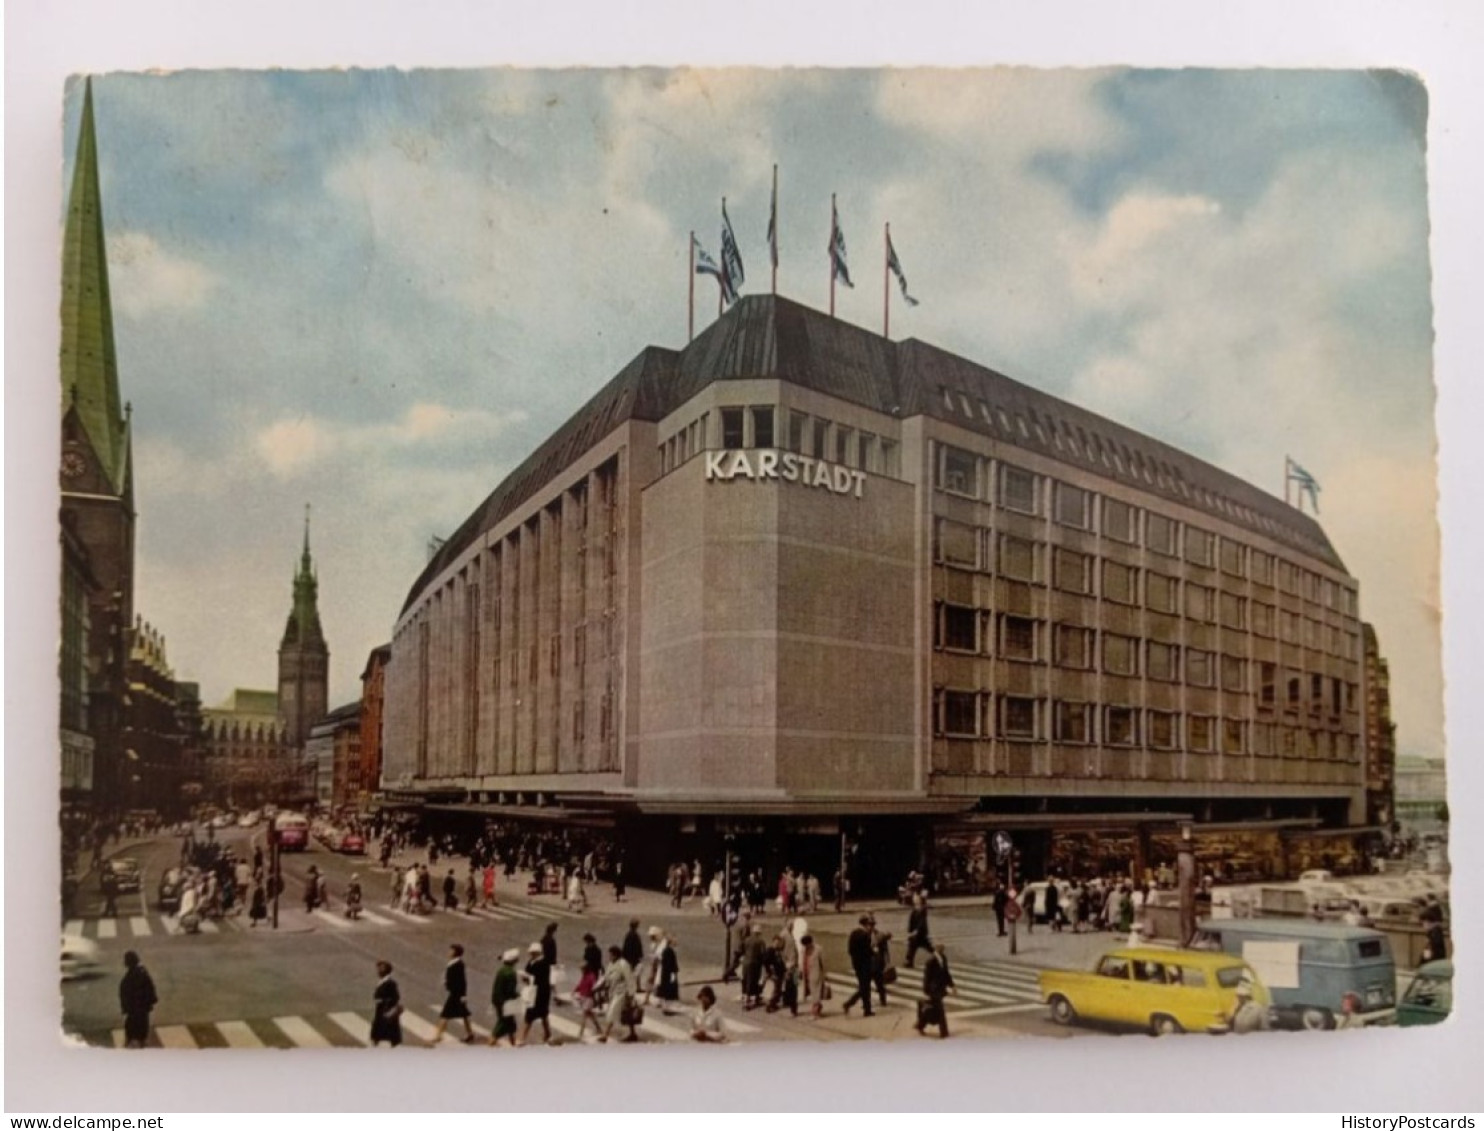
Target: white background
x=1432, y=1070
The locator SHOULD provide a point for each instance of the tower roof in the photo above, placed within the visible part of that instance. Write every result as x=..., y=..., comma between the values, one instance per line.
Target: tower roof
x=303, y=628
x=90, y=383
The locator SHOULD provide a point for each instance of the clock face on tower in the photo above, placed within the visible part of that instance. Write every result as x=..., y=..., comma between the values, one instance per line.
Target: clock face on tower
x=73, y=464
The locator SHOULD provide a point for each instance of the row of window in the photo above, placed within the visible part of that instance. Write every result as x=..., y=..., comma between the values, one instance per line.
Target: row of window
x=1078, y=442
x=958, y=628
x=980, y=714
x=961, y=472
x=1020, y=559
x=768, y=427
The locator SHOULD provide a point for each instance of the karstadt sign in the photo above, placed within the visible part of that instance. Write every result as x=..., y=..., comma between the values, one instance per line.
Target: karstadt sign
x=787, y=466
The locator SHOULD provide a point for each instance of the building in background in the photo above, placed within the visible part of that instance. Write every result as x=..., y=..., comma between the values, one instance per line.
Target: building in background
x=332, y=756
x=155, y=745
x=97, y=506
x=303, y=657
x=373, y=694
x=1422, y=796
x=824, y=596
x=246, y=758
x=1380, y=736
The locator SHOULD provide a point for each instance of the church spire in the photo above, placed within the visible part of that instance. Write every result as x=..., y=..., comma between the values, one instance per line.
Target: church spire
x=303, y=626
x=90, y=381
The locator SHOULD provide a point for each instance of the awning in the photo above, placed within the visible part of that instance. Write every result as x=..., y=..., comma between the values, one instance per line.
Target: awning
x=1071, y=820
x=1354, y=830
x=549, y=814
x=801, y=806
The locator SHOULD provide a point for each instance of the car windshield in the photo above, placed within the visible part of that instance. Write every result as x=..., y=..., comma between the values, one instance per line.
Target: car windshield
x=1228, y=976
x=1436, y=993
x=1113, y=968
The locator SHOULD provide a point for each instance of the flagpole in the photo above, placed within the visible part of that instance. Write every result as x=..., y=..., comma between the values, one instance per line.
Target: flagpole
x=772, y=251
x=1286, y=479
x=690, y=324
x=886, y=285
x=833, y=224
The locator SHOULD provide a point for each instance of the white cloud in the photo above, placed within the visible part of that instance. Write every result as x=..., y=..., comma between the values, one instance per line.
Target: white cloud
x=145, y=278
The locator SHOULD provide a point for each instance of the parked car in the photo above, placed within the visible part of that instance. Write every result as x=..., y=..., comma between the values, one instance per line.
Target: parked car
x=247, y=821
x=1429, y=997
x=125, y=871
x=1156, y=989
x=352, y=844
x=1310, y=968
x=172, y=881
x=79, y=958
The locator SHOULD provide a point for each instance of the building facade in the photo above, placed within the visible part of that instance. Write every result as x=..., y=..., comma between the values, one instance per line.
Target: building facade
x=96, y=479
x=1380, y=732
x=303, y=657
x=157, y=749
x=332, y=755
x=246, y=757
x=373, y=696
x=844, y=598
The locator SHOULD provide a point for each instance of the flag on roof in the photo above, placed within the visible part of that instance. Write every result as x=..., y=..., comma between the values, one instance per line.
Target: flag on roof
x=773, y=222
x=1306, y=483
x=705, y=265
x=731, y=259
x=895, y=265
x=837, y=249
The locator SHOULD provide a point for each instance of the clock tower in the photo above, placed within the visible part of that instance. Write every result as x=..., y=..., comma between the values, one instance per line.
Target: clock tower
x=303, y=658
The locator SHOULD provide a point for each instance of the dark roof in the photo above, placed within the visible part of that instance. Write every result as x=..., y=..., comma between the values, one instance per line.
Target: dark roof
x=764, y=336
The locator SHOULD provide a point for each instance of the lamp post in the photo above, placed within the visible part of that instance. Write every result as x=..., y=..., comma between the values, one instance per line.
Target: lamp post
x=1185, y=873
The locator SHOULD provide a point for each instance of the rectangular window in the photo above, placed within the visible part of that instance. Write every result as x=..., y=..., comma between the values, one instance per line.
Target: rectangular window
x=1233, y=673
x=1019, y=490
x=1232, y=736
x=961, y=713
x=1018, y=717
x=1073, y=647
x=1162, y=730
x=1160, y=533
x=1289, y=623
x=1262, y=618
x=731, y=428
x=1120, y=583
x=1262, y=567
x=1121, y=727
x=821, y=438
x=1199, y=602
x=762, y=427
x=1200, y=732
x=1233, y=610
x=958, y=470
x=1336, y=696
x=867, y=454
x=1072, y=506
x=1232, y=558
x=1199, y=668
x=1316, y=693
x=798, y=424
x=1120, y=521
x=1313, y=634
x=1018, y=638
x=1164, y=661
x=1267, y=680
x=1019, y=559
x=1262, y=739
x=844, y=444
x=1073, y=571
x=1073, y=722
x=958, y=544
x=1161, y=593
x=889, y=464
x=1295, y=692
x=959, y=628
x=1288, y=576
x=1120, y=654
x=1200, y=546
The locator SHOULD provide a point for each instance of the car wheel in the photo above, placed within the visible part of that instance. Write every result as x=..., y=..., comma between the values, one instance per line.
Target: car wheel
x=1163, y=1025
x=1315, y=1018
x=1061, y=1010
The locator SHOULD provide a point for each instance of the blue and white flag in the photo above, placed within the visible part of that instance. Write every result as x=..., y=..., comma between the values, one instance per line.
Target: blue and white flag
x=731, y=259
x=1306, y=484
x=837, y=249
x=895, y=265
x=705, y=265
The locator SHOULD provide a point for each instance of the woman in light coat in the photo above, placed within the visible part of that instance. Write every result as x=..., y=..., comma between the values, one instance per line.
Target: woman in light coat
x=813, y=988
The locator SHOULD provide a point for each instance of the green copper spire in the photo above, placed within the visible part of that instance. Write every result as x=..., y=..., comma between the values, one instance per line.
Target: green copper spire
x=303, y=626
x=90, y=381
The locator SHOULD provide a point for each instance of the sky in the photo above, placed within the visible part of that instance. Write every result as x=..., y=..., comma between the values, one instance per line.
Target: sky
x=377, y=291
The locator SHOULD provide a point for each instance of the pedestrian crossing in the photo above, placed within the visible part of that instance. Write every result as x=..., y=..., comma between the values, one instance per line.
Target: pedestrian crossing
x=352, y=1029
x=979, y=986
x=333, y=918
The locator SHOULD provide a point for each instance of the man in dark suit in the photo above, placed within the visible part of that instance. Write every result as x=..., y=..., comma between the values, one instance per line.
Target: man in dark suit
x=136, y=1000
x=917, y=928
x=861, y=952
x=1001, y=901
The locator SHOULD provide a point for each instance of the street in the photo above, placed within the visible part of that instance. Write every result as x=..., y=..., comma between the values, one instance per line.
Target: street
x=309, y=983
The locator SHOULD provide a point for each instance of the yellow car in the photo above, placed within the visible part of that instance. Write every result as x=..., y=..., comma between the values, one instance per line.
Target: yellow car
x=1155, y=989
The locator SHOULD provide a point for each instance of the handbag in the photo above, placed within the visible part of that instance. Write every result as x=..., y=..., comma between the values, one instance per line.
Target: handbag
x=528, y=995
x=889, y=975
x=633, y=1014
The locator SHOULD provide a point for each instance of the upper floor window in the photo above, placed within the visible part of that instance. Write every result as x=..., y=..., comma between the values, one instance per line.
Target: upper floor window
x=1018, y=490
x=821, y=439
x=1073, y=647
x=1018, y=638
x=958, y=544
x=1199, y=546
x=1161, y=534
x=1072, y=506
x=762, y=427
x=1233, y=555
x=1019, y=559
x=1262, y=567
x=1161, y=592
x=844, y=445
x=1120, y=521
x=731, y=428
x=1072, y=571
x=798, y=424
x=1120, y=583
x=958, y=470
